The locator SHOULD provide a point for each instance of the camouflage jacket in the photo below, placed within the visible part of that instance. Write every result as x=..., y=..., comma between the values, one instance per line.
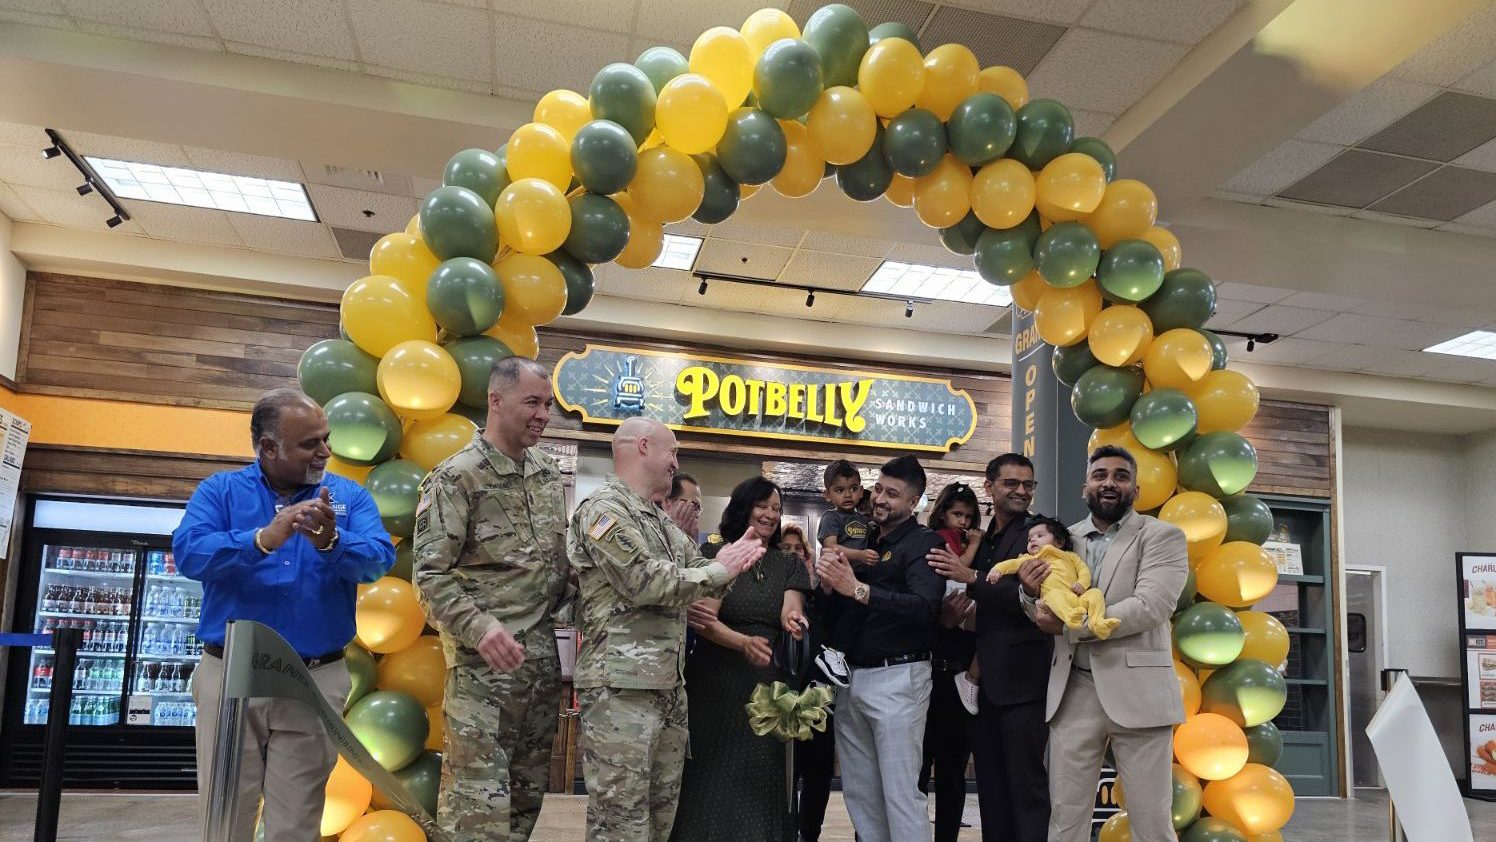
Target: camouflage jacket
x=637, y=572
x=489, y=543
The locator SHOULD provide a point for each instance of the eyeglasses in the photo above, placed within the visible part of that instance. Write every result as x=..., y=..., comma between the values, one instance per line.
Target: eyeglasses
x=1015, y=484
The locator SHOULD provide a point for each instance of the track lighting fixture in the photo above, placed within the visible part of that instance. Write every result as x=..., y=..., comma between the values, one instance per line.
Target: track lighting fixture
x=701, y=290
x=113, y=221
x=810, y=298
x=85, y=188
x=51, y=152
x=909, y=309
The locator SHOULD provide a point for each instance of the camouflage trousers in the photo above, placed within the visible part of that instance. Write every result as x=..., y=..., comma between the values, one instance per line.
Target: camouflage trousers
x=500, y=728
x=633, y=749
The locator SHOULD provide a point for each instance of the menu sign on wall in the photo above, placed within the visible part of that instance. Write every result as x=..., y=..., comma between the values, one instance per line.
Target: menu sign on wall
x=16, y=433
x=1476, y=580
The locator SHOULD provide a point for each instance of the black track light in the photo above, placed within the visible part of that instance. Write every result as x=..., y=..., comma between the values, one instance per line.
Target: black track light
x=908, y=309
x=1251, y=345
x=113, y=221
x=84, y=189
x=810, y=299
x=701, y=290
x=51, y=152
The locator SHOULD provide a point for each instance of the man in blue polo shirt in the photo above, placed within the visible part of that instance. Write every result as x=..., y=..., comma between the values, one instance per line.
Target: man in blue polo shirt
x=282, y=543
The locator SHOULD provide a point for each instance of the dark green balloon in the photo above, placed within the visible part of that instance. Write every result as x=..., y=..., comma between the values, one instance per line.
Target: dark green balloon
x=720, y=199
x=1098, y=149
x=787, y=78
x=579, y=283
x=456, y=222
x=1209, y=635
x=1186, y=298
x=1164, y=419
x=661, y=64
x=893, y=29
x=1247, y=519
x=1005, y=256
x=1045, y=130
x=364, y=430
x=840, y=36
x=914, y=142
x=1187, y=800
x=1247, y=692
x=334, y=366
x=396, y=488
x=604, y=156
x=391, y=725
x=464, y=296
x=1210, y=829
x=1067, y=254
x=753, y=148
x=622, y=93
x=405, y=561
x=868, y=177
x=477, y=415
x=1264, y=744
x=1130, y=271
x=981, y=129
x=961, y=238
x=422, y=778
x=1218, y=356
x=599, y=228
x=361, y=670
x=1219, y=464
x=1104, y=395
x=1187, y=595
x=828, y=171
x=475, y=356
x=478, y=170
x=1071, y=361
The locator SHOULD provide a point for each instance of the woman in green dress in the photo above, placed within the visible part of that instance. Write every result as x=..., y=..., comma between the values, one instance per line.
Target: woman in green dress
x=733, y=786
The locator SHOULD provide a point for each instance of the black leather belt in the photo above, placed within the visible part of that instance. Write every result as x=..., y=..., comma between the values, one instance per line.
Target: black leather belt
x=912, y=658
x=331, y=657
x=943, y=665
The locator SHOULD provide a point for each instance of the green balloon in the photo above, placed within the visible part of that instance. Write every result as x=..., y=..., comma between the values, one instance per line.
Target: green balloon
x=1098, y=149
x=1187, y=298
x=753, y=148
x=1247, y=519
x=1187, y=594
x=579, y=283
x=604, y=156
x=1209, y=635
x=661, y=64
x=343, y=332
x=464, y=296
x=1264, y=744
x=477, y=415
x=1211, y=829
x=391, y=725
x=1045, y=129
x=456, y=222
x=893, y=29
x=396, y=488
x=720, y=199
x=868, y=177
x=1164, y=419
x=334, y=366
x=1218, y=356
x=1130, y=271
x=364, y=430
x=962, y=237
x=981, y=129
x=787, y=78
x=622, y=93
x=1071, y=361
x=422, y=778
x=475, y=356
x=840, y=36
x=914, y=142
x=361, y=670
x=478, y=170
x=405, y=561
x=1104, y=395
x=1247, y=692
x=1067, y=254
x=828, y=171
x=1188, y=798
x=599, y=228
x=1005, y=256
x=1219, y=464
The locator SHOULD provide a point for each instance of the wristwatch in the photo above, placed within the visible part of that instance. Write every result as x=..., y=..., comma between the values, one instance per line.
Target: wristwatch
x=860, y=592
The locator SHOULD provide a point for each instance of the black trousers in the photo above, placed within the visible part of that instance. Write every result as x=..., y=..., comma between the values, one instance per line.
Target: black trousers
x=815, y=760
x=1012, y=782
x=947, y=748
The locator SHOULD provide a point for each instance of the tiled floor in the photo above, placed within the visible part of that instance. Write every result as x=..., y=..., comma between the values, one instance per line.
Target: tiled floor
x=173, y=818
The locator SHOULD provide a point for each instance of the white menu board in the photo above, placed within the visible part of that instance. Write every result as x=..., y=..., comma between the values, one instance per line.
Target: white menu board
x=12, y=452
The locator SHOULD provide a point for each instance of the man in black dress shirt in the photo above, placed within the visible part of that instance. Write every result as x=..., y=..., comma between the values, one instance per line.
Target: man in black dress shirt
x=880, y=718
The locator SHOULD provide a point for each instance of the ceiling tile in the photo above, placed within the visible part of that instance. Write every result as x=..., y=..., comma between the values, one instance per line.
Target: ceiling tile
x=1442, y=129
x=1251, y=292
x=68, y=209
x=723, y=295
x=313, y=27
x=47, y=7
x=355, y=245
x=876, y=312
x=14, y=207
x=614, y=15
x=1484, y=216
x=1282, y=320
x=1186, y=21
x=844, y=244
x=1307, y=207
x=1229, y=310
x=284, y=236
x=427, y=38
x=345, y=208
x=22, y=165
x=1445, y=194
x=751, y=232
x=185, y=17
x=909, y=12
x=37, y=19
x=790, y=303
x=1286, y=163
x=1287, y=351
x=1416, y=335
x=543, y=56
x=1482, y=157
x=1356, y=179
x=1471, y=230
x=953, y=317
x=1453, y=55
x=1394, y=219
x=127, y=149
x=1481, y=81
x=177, y=222
x=238, y=163
x=1392, y=309
x=993, y=38
x=828, y=271
x=1054, y=11
x=1464, y=317
x=294, y=58
x=173, y=39
x=928, y=255
x=1073, y=71
x=682, y=23
x=688, y=228
x=1370, y=330
x=650, y=283
x=1368, y=110
x=749, y=260
x=23, y=134
x=1396, y=362
x=1359, y=357
x=1091, y=123
x=430, y=80
x=420, y=187
x=1321, y=301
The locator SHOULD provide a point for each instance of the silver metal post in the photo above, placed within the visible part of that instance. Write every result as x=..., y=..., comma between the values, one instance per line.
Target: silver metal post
x=223, y=793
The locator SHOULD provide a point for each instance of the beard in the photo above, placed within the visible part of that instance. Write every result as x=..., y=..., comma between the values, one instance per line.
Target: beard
x=1111, y=512
x=314, y=476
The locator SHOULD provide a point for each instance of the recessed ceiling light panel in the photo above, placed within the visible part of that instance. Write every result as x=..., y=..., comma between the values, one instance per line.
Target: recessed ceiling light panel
x=935, y=283
x=1477, y=343
x=678, y=252
x=203, y=189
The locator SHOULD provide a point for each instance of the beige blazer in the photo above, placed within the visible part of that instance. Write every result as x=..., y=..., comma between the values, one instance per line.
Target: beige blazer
x=1141, y=577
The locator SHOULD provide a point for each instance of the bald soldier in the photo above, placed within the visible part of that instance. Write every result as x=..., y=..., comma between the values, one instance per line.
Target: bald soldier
x=490, y=566
x=638, y=572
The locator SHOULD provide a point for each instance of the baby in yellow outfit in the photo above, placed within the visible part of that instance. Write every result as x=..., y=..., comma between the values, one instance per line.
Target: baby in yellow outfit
x=1067, y=589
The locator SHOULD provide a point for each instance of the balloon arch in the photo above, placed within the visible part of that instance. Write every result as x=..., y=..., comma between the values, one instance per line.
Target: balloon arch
x=508, y=241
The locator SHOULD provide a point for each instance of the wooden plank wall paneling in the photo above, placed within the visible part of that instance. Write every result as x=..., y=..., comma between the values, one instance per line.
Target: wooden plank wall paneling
x=1295, y=452
x=161, y=476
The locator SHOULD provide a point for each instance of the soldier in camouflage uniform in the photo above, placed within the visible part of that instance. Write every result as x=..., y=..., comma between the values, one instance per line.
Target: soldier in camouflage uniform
x=491, y=572
x=638, y=572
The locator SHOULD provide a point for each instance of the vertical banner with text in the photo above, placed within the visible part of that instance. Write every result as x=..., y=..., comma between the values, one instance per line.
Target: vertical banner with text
x=1044, y=428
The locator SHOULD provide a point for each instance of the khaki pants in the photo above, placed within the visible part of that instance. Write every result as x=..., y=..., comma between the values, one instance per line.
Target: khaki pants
x=287, y=756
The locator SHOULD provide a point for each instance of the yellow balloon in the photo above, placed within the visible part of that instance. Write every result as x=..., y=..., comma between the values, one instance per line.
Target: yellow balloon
x=1026, y=293
x=1120, y=435
x=943, y=198
x=1258, y=799
x=667, y=185
x=1003, y=193
x=1063, y=316
x=1237, y=574
x=536, y=150
x=1275, y=836
x=1006, y=83
x=413, y=227
x=1267, y=639
x=691, y=114
x=357, y=473
x=436, y=732
x=843, y=124
x=1177, y=359
x=803, y=165
x=1120, y=335
x=1117, y=827
x=1226, y=400
x=418, y=379
x=1127, y=210
x=387, y=617
x=404, y=256
x=1210, y=746
x=347, y=796
x=1201, y=517
x=379, y=312
x=764, y=27
x=1157, y=477
x=533, y=216
x=891, y=76
x=419, y=669
x=901, y=190
x=517, y=336
x=746, y=191
x=565, y=111
x=951, y=72
x=1189, y=688
x=428, y=443
x=1167, y=244
x=534, y=288
x=384, y=826
x=722, y=55
x=1069, y=187
x=646, y=236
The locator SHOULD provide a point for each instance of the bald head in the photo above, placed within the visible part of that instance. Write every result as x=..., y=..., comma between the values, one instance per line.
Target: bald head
x=644, y=456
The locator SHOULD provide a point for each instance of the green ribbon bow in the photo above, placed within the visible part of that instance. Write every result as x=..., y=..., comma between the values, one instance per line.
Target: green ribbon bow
x=775, y=709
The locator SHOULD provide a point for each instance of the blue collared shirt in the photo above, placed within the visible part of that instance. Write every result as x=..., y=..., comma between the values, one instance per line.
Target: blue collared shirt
x=307, y=596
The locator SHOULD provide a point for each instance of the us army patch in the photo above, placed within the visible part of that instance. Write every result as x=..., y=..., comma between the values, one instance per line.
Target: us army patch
x=625, y=543
x=421, y=506
x=601, y=527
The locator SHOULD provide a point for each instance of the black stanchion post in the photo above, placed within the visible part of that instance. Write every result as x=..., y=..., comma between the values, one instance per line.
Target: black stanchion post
x=65, y=643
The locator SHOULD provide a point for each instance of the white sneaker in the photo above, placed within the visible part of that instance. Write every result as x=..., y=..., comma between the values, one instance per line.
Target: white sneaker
x=967, y=690
x=833, y=665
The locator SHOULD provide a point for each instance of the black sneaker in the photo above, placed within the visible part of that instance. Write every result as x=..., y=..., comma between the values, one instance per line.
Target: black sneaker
x=833, y=665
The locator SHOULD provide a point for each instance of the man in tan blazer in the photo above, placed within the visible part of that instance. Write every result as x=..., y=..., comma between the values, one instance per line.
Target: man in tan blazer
x=1121, y=689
